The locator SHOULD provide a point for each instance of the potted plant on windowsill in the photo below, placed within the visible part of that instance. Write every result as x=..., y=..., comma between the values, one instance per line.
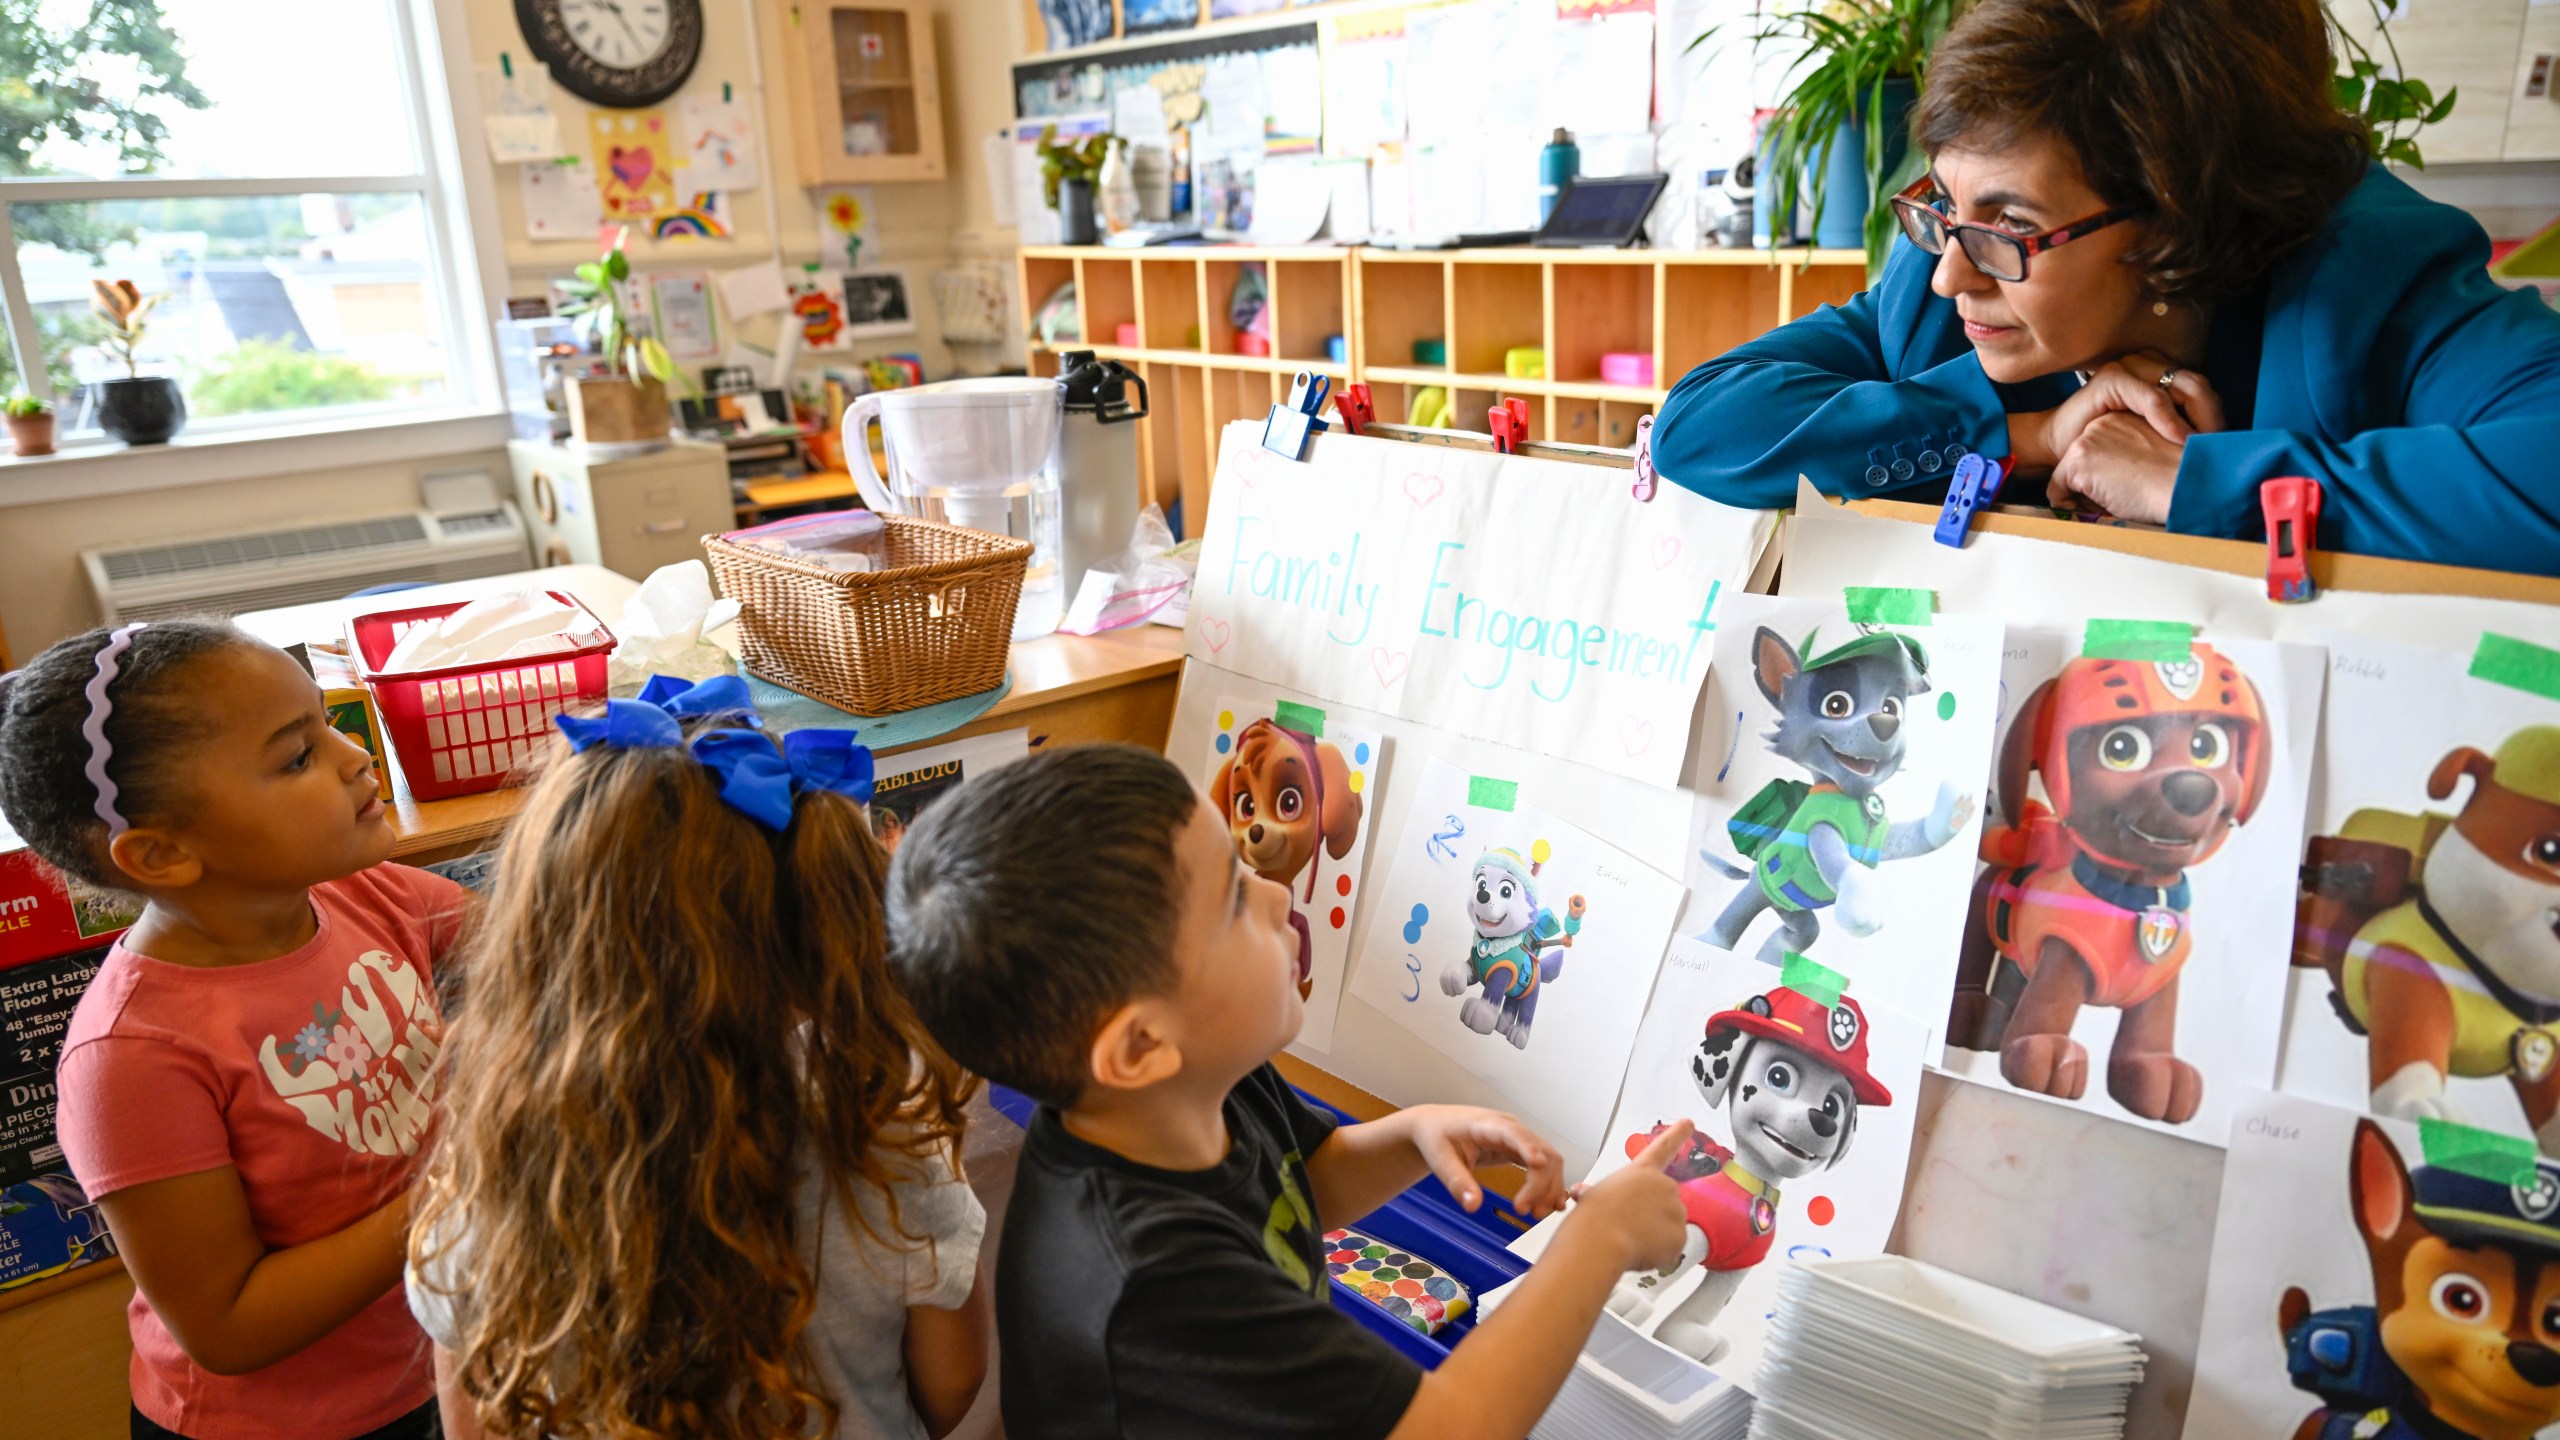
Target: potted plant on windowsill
x=629, y=407
x=1068, y=170
x=30, y=424
x=138, y=409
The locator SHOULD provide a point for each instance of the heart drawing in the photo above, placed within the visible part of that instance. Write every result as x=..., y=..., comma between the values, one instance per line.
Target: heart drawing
x=633, y=166
x=1216, y=633
x=1666, y=551
x=1422, y=489
x=1389, y=666
x=1636, y=735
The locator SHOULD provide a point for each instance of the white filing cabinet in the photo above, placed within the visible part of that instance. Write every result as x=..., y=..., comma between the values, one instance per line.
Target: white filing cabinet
x=628, y=515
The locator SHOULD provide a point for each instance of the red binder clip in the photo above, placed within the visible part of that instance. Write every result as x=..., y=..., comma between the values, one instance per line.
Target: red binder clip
x=1646, y=476
x=2291, y=505
x=1510, y=420
x=1353, y=404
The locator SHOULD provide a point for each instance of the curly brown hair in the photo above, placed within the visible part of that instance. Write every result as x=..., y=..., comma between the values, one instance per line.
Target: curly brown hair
x=670, y=1012
x=2214, y=117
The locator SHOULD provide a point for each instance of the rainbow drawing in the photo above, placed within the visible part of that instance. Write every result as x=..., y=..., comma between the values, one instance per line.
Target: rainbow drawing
x=698, y=219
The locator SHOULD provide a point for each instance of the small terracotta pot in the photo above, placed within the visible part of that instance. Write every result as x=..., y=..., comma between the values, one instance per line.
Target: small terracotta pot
x=32, y=434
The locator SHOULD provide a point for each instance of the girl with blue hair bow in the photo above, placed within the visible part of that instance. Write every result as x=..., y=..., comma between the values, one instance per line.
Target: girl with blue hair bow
x=699, y=1171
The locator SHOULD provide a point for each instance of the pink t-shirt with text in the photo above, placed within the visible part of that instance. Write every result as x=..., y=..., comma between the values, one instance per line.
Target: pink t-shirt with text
x=310, y=1074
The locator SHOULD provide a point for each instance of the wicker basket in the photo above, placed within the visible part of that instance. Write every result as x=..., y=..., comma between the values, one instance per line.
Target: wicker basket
x=932, y=627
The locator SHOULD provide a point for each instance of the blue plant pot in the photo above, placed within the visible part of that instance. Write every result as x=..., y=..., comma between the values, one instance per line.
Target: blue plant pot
x=1843, y=221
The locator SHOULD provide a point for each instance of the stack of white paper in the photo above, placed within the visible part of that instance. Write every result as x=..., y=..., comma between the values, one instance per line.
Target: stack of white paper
x=1626, y=1387
x=1892, y=1349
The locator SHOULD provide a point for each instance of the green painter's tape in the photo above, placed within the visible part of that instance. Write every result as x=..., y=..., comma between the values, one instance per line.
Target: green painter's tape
x=1813, y=981
x=1307, y=720
x=1877, y=605
x=2518, y=665
x=2155, y=640
x=2499, y=1159
x=1486, y=793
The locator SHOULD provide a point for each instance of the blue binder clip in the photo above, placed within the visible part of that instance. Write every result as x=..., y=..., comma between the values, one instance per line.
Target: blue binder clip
x=1286, y=432
x=1975, y=484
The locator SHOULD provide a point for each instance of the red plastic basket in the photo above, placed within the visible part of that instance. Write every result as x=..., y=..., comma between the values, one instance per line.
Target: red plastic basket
x=466, y=728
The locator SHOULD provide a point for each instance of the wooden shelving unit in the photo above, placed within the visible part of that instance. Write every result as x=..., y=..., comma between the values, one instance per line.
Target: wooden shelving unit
x=1681, y=308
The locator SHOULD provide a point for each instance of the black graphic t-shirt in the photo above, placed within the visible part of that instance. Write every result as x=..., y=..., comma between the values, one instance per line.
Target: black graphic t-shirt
x=1139, y=1302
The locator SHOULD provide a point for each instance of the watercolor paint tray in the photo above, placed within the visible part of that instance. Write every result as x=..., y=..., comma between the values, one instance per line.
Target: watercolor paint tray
x=1426, y=1221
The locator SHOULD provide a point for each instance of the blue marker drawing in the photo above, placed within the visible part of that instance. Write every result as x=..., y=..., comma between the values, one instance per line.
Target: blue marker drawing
x=1438, y=846
x=1413, y=927
x=1413, y=972
x=1730, y=749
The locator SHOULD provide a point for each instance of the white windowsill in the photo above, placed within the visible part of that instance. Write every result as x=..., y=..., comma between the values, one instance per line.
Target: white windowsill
x=315, y=440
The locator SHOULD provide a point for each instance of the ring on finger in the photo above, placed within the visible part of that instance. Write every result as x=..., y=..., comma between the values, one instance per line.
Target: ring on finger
x=2168, y=377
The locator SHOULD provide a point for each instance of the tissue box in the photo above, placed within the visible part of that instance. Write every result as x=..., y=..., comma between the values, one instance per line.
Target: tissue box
x=351, y=711
x=45, y=913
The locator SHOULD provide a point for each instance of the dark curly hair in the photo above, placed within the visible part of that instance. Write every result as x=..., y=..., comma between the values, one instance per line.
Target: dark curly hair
x=2212, y=116
x=44, y=782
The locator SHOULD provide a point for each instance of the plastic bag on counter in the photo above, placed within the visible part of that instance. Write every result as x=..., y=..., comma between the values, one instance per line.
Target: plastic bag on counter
x=515, y=626
x=836, y=540
x=662, y=628
x=1150, y=581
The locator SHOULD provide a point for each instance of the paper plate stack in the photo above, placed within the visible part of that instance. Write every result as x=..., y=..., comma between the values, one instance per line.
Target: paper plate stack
x=1625, y=1387
x=1892, y=1349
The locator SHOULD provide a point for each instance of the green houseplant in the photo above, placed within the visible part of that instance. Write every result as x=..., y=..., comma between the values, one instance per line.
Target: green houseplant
x=138, y=409
x=2392, y=106
x=605, y=410
x=1862, y=65
x=30, y=424
x=1068, y=172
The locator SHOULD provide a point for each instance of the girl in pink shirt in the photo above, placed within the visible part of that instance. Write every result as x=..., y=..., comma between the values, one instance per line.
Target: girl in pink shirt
x=248, y=1081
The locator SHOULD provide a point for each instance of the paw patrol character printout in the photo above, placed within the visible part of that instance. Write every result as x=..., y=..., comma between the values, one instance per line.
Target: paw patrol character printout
x=1516, y=944
x=1838, y=783
x=2426, y=977
x=2118, y=955
x=2373, y=1279
x=1802, y=1096
x=1299, y=791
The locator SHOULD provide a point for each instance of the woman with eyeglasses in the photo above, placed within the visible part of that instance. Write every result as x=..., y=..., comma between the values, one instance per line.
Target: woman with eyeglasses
x=2152, y=264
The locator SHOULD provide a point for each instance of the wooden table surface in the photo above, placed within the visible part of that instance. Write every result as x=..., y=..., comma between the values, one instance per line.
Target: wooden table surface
x=1067, y=689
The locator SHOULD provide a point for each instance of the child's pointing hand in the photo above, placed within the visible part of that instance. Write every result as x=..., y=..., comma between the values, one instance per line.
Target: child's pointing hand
x=1455, y=1139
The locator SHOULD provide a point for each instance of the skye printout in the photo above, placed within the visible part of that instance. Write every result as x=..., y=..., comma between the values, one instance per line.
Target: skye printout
x=1528, y=602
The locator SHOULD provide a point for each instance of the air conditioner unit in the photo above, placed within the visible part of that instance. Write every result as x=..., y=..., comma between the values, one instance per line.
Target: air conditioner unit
x=263, y=569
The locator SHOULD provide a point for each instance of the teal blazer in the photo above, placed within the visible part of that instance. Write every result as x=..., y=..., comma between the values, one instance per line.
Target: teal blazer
x=2379, y=358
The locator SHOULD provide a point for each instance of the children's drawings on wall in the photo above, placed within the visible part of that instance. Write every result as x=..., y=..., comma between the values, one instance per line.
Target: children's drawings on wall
x=2427, y=953
x=716, y=144
x=1802, y=1094
x=1299, y=792
x=1142, y=17
x=1838, y=784
x=2120, y=953
x=1514, y=943
x=561, y=201
x=2370, y=1281
x=817, y=301
x=1396, y=578
x=634, y=162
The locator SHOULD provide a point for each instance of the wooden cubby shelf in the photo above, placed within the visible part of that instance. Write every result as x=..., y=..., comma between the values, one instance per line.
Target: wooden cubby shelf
x=1575, y=306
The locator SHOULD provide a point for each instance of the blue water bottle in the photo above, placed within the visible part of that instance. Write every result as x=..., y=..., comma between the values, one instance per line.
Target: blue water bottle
x=1558, y=163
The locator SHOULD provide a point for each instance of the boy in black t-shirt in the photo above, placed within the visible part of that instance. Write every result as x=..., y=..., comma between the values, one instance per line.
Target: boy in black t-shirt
x=1078, y=926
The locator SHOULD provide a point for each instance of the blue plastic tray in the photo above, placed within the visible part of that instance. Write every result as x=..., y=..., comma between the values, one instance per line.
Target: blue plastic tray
x=1424, y=1220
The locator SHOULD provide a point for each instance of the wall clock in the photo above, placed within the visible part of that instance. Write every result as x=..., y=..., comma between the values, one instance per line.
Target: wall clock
x=620, y=53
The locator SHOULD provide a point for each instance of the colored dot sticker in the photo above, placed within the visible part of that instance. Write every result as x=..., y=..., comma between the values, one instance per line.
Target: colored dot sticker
x=1226, y=719
x=1224, y=741
x=1540, y=852
x=1820, y=1210
x=1360, y=753
x=1341, y=884
x=1359, y=781
x=1947, y=705
x=1338, y=918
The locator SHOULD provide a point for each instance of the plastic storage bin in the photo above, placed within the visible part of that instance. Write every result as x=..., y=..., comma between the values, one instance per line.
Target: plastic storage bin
x=466, y=728
x=1425, y=1220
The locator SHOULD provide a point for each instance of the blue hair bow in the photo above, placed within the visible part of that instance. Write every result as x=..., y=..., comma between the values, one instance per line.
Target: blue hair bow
x=756, y=780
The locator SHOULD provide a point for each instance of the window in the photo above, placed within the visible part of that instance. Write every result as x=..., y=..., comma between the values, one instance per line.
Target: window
x=266, y=167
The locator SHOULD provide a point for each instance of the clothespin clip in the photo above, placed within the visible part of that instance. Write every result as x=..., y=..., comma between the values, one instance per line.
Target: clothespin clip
x=1286, y=432
x=1357, y=410
x=1975, y=484
x=1510, y=421
x=1646, y=477
x=2291, y=505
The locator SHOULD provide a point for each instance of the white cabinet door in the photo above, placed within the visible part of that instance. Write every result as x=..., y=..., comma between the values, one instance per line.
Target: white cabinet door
x=2449, y=43
x=2533, y=122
